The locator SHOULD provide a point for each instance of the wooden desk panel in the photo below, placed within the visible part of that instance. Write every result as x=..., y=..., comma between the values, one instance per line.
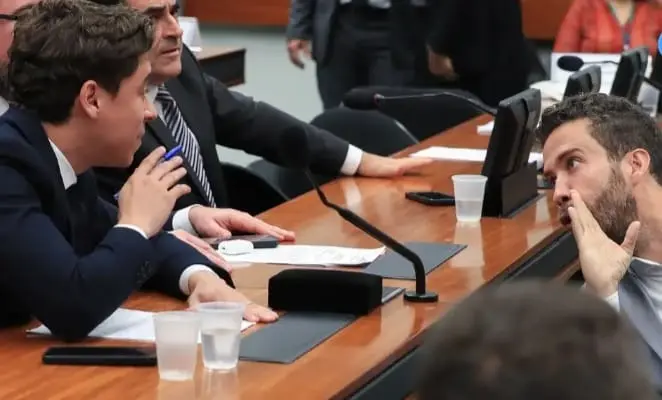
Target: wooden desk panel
x=244, y=12
x=541, y=18
x=228, y=65
x=354, y=356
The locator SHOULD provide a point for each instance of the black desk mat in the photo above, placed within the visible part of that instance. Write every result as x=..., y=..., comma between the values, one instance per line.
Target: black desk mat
x=296, y=333
x=393, y=266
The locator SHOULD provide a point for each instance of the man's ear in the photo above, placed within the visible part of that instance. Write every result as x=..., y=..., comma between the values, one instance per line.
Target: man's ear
x=638, y=163
x=89, y=99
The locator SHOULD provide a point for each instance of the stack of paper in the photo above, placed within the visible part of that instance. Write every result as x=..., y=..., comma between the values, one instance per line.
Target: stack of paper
x=125, y=324
x=459, y=154
x=308, y=255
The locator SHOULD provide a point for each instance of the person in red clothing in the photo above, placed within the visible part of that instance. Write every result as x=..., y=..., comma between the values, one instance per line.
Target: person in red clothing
x=610, y=26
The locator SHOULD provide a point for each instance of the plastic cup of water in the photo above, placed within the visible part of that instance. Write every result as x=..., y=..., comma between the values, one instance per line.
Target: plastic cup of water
x=176, y=334
x=469, y=193
x=221, y=333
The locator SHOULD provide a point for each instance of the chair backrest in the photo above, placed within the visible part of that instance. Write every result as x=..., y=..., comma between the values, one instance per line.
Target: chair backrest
x=368, y=130
x=290, y=182
x=429, y=116
x=250, y=192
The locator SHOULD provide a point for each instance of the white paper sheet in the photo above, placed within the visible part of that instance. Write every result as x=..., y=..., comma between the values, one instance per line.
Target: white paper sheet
x=459, y=154
x=485, y=129
x=308, y=255
x=125, y=324
x=551, y=89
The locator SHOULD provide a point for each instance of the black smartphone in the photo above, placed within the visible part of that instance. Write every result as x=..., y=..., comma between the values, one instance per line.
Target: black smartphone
x=100, y=355
x=431, y=198
x=259, y=241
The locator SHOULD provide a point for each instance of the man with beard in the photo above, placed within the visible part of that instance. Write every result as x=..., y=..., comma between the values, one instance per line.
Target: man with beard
x=604, y=155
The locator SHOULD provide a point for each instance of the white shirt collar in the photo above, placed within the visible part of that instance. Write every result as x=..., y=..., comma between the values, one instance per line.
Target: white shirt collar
x=152, y=90
x=4, y=106
x=67, y=172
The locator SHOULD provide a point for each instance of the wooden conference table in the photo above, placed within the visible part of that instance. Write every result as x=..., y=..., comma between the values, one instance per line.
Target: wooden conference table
x=372, y=358
x=228, y=65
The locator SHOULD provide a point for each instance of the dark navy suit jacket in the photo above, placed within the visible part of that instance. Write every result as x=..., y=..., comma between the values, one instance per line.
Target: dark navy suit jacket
x=61, y=260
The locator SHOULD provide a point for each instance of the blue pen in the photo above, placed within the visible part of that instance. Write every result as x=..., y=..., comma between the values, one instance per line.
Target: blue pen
x=173, y=152
x=170, y=154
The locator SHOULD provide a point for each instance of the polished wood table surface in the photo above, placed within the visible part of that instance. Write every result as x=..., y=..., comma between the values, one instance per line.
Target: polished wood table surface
x=353, y=357
x=228, y=65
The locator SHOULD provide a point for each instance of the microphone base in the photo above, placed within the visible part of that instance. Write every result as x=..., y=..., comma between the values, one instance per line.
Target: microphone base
x=415, y=297
x=506, y=196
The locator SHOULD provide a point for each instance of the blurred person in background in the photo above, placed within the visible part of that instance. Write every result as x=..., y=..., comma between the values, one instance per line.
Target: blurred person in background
x=610, y=26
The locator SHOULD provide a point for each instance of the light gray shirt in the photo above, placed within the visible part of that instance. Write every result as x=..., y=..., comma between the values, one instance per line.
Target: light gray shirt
x=4, y=106
x=639, y=298
x=386, y=3
x=648, y=275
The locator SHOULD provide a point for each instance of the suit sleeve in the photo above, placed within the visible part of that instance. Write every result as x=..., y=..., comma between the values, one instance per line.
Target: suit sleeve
x=69, y=294
x=300, y=23
x=257, y=127
x=171, y=256
x=444, y=13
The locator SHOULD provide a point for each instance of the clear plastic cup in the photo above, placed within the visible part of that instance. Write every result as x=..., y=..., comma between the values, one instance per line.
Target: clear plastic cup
x=469, y=191
x=221, y=333
x=176, y=334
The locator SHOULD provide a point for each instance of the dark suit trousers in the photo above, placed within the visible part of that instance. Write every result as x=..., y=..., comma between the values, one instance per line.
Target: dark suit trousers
x=360, y=54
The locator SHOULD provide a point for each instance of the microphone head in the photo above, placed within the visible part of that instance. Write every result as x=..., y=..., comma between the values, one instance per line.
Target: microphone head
x=294, y=149
x=323, y=290
x=361, y=99
x=570, y=63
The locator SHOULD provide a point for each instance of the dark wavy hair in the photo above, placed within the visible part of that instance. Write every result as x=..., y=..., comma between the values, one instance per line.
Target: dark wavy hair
x=60, y=44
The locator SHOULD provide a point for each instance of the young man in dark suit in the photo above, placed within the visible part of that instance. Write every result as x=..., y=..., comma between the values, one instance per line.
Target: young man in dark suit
x=199, y=111
x=78, y=73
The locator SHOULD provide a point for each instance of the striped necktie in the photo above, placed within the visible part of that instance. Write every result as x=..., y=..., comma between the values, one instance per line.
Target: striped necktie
x=182, y=133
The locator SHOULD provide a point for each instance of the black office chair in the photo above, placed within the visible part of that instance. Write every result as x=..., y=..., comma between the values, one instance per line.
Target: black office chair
x=367, y=130
x=424, y=118
x=371, y=131
x=250, y=192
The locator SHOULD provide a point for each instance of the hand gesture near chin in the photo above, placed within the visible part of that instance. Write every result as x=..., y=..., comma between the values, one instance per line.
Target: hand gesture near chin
x=603, y=262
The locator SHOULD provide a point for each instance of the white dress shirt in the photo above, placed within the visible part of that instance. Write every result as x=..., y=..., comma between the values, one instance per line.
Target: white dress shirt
x=69, y=179
x=349, y=166
x=4, y=106
x=650, y=277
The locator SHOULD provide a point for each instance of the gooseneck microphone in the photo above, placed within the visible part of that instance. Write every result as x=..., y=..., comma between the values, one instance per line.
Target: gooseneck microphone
x=295, y=153
x=574, y=63
x=366, y=99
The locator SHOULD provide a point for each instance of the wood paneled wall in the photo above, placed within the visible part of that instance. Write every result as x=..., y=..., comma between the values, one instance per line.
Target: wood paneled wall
x=240, y=12
x=542, y=18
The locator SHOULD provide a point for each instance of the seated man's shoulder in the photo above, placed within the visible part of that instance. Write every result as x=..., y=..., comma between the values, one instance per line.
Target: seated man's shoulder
x=12, y=143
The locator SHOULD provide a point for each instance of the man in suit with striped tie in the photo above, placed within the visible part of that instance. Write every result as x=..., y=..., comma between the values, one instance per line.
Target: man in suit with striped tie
x=199, y=112
x=604, y=155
